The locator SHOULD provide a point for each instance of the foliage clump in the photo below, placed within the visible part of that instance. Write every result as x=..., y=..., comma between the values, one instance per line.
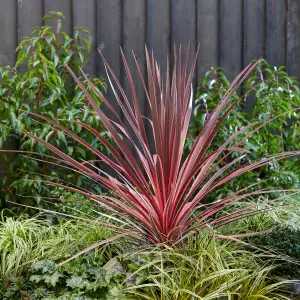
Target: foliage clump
x=39, y=83
x=269, y=94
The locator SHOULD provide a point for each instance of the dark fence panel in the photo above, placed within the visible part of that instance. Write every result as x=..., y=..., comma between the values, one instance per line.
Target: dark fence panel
x=231, y=37
x=293, y=38
x=109, y=15
x=254, y=36
x=231, y=33
x=208, y=25
x=276, y=31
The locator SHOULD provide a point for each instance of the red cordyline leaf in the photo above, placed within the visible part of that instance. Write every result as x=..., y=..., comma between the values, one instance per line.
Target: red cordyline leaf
x=157, y=190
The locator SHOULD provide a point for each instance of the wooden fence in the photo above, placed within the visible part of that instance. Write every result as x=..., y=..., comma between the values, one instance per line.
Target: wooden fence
x=231, y=32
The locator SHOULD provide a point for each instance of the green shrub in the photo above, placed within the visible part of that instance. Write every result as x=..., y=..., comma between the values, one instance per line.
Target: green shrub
x=273, y=93
x=74, y=204
x=283, y=239
x=39, y=83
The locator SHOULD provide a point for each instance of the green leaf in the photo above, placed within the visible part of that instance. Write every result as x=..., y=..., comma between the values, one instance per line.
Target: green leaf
x=59, y=25
x=81, y=57
x=56, y=60
x=36, y=63
x=49, y=38
x=87, y=44
x=47, y=17
x=76, y=282
x=33, y=82
x=52, y=279
x=67, y=42
x=81, y=152
x=36, y=278
x=67, y=59
x=62, y=136
x=117, y=292
x=49, y=135
x=76, y=33
x=45, y=266
x=70, y=150
x=60, y=14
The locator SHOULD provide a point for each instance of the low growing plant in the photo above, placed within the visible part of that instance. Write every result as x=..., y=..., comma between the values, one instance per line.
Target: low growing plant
x=157, y=192
x=25, y=240
x=204, y=267
x=207, y=268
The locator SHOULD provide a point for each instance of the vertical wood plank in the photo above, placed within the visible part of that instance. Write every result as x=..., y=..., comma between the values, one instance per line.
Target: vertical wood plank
x=109, y=41
x=254, y=37
x=293, y=38
x=254, y=30
x=184, y=25
x=30, y=14
x=8, y=36
x=64, y=6
x=276, y=32
x=231, y=15
x=85, y=14
x=159, y=30
x=207, y=35
x=134, y=38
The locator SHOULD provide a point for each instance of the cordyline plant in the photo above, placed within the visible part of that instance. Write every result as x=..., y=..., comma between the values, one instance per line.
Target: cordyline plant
x=157, y=191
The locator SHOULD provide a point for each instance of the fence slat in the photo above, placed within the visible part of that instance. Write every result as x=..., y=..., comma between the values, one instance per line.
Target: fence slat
x=293, y=40
x=134, y=20
x=64, y=6
x=183, y=25
x=109, y=40
x=254, y=30
x=8, y=36
x=159, y=30
x=231, y=37
x=276, y=29
x=207, y=35
x=30, y=14
x=85, y=14
x=254, y=37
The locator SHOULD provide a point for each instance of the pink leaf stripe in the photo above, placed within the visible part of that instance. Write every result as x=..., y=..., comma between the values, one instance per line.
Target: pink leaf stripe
x=157, y=191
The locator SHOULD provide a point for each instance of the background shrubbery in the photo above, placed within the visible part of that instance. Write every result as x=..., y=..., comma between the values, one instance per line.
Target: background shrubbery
x=274, y=94
x=39, y=83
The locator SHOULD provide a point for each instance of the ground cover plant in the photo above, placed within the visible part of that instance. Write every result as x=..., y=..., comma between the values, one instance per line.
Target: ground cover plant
x=204, y=266
x=207, y=268
x=25, y=240
x=31, y=244
x=40, y=83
